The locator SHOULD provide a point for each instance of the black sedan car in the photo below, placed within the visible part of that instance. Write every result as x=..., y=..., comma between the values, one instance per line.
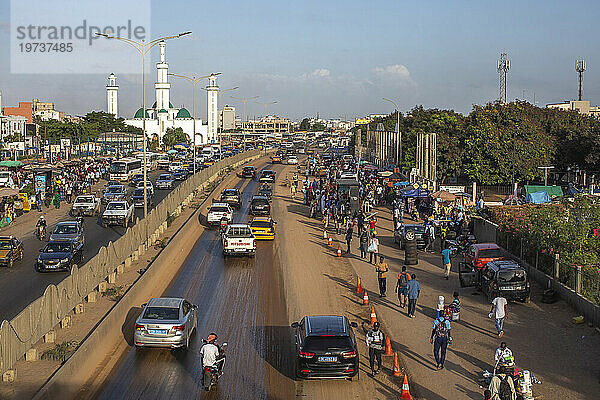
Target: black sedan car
x=59, y=255
x=259, y=205
x=267, y=175
x=136, y=179
x=233, y=197
x=326, y=347
x=249, y=172
x=137, y=198
x=180, y=174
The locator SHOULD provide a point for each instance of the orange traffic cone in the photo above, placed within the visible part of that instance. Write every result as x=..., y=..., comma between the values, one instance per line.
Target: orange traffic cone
x=330, y=241
x=339, y=251
x=358, y=286
x=397, y=371
x=366, y=299
x=388, y=346
x=373, y=316
x=405, y=394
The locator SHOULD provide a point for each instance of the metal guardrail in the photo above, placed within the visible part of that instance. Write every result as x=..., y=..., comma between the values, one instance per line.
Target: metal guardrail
x=58, y=301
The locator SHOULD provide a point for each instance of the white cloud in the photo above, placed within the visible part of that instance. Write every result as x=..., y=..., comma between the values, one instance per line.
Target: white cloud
x=321, y=72
x=396, y=71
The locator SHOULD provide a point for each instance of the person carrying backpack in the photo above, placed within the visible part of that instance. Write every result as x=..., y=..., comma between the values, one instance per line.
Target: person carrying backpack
x=402, y=286
x=441, y=334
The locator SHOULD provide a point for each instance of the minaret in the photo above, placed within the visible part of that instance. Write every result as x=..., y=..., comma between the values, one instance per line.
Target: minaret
x=162, y=85
x=212, y=91
x=111, y=95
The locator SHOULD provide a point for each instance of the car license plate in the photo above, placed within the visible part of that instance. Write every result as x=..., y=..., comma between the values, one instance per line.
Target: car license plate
x=327, y=359
x=507, y=288
x=157, y=331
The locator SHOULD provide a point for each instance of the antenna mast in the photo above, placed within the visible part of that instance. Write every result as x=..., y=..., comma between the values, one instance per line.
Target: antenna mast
x=503, y=67
x=580, y=67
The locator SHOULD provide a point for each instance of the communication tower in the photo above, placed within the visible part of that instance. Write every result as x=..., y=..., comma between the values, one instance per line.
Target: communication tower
x=580, y=67
x=503, y=67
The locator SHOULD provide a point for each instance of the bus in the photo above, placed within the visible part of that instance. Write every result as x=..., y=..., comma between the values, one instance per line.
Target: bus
x=124, y=169
x=151, y=160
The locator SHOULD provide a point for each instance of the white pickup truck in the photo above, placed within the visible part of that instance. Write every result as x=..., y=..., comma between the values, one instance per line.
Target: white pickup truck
x=117, y=213
x=238, y=239
x=85, y=204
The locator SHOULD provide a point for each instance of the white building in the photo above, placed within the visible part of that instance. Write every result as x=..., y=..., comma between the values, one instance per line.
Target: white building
x=162, y=115
x=112, y=91
x=227, y=118
x=11, y=125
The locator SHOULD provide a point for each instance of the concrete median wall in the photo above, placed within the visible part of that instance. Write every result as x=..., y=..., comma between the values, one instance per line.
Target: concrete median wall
x=58, y=301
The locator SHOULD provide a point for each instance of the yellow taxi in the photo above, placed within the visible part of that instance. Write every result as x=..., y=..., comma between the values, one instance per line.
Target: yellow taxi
x=276, y=159
x=11, y=250
x=263, y=228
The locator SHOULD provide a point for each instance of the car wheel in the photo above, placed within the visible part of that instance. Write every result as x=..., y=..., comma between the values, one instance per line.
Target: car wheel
x=104, y=224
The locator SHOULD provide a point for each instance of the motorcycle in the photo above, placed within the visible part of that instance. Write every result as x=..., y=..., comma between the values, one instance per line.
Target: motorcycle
x=211, y=374
x=461, y=244
x=223, y=225
x=41, y=232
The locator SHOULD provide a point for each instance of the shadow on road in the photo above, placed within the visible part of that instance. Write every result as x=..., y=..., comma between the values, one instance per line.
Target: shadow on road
x=274, y=344
x=128, y=324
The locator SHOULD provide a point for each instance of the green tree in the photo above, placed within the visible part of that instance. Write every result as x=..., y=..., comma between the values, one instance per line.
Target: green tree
x=317, y=127
x=174, y=136
x=305, y=125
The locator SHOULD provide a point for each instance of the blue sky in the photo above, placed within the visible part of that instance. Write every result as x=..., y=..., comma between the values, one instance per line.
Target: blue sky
x=339, y=58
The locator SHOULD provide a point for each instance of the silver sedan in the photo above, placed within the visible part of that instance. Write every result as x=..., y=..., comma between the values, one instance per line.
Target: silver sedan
x=165, y=322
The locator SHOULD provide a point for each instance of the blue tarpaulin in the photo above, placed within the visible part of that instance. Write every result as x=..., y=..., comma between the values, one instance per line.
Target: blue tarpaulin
x=415, y=193
x=538, y=197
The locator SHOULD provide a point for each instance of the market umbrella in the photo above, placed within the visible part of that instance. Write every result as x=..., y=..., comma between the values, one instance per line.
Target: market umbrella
x=172, y=151
x=10, y=163
x=385, y=174
x=443, y=195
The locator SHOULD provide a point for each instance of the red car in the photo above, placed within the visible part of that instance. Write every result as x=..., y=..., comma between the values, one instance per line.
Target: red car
x=480, y=254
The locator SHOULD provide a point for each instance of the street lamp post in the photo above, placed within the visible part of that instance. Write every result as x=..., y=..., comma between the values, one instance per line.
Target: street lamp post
x=143, y=48
x=194, y=80
x=399, y=141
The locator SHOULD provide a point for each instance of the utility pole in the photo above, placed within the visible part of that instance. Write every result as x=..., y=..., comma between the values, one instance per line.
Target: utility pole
x=503, y=67
x=580, y=67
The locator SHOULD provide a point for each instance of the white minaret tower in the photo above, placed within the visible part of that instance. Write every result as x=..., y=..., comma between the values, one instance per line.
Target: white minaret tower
x=212, y=92
x=111, y=95
x=162, y=85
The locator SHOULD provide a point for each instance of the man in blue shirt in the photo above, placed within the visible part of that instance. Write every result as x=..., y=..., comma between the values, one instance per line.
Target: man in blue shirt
x=414, y=289
x=446, y=261
x=441, y=334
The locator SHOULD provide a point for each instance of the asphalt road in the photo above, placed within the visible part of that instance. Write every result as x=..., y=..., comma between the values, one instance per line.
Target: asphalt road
x=242, y=300
x=21, y=285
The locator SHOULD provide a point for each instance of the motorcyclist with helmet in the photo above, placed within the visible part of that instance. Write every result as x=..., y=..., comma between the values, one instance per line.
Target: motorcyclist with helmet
x=41, y=227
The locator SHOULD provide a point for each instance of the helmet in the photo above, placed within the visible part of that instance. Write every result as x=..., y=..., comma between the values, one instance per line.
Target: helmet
x=211, y=338
x=41, y=217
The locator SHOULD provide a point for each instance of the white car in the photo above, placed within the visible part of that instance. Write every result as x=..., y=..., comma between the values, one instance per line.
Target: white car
x=238, y=239
x=86, y=204
x=292, y=160
x=217, y=212
x=117, y=213
x=149, y=186
x=174, y=166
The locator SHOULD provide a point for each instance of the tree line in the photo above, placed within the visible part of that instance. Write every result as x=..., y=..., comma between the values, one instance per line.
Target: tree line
x=479, y=146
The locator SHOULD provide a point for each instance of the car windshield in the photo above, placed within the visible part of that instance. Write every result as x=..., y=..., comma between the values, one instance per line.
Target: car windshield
x=261, y=224
x=164, y=177
x=116, y=206
x=56, y=247
x=84, y=199
x=511, y=275
x=229, y=193
x=327, y=343
x=161, y=313
x=114, y=189
x=64, y=229
x=490, y=253
x=248, y=169
x=218, y=209
x=5, y=245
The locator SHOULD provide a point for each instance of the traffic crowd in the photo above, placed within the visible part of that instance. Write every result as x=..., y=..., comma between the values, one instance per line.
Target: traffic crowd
x=329, y=200
x=61, y=183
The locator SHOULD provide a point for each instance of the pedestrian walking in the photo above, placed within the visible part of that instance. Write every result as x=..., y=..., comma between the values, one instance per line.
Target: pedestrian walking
x=382, y=269
x=440, y=337
x=446, y=262
x=361, y=222
x=363, y=240
x=376, y=344
x=429, y=237
x=401, y=286
x=414, y=289
x=349, y=238
x=373, y=248
x=498, y=311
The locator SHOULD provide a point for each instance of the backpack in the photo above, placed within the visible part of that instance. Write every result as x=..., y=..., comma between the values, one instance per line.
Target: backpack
x=505, y=392
x=403, y=278
x=441, y=330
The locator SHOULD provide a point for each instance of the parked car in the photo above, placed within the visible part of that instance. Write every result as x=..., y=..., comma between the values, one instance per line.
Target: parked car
x=115, y=192
x=233, y=197
x=249, y=172
x=68, y=230
x=60, y=255
x=165, y=181
x=419, y=231
x=11, y=250
x=479, y=254
x=165, y=322
x=117, y=213
x=497, y=278
x=259, y=205
x=217, y=212
x=238, y=240
x=85, y=204
x=137, y=198
x=180, y=174
x=263, y=228
x=326, y=347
